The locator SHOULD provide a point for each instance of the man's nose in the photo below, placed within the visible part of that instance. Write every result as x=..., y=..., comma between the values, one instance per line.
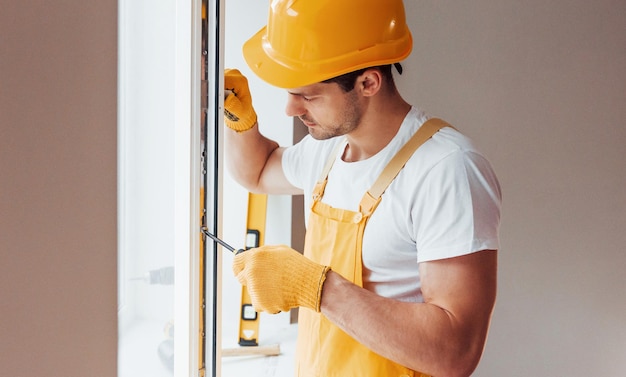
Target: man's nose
x=294, y=106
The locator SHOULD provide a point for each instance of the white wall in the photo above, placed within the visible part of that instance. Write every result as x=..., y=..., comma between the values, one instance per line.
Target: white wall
x=541, y=87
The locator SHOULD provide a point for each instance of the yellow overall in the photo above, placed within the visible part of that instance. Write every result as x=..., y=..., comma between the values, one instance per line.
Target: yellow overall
x=334, y=238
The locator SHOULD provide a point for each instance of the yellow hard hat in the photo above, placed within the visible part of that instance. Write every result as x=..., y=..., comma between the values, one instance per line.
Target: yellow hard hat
x=309, y=41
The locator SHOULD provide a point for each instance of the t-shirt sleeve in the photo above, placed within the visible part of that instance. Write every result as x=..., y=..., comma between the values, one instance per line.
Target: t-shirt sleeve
x=460, y=208
x=293, y=159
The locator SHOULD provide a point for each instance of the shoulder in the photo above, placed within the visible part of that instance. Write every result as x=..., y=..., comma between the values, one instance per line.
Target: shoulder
x=449, y=146
x=450, y=162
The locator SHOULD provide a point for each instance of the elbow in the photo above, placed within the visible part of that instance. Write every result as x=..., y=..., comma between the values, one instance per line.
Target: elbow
x=457, y=356
x=463, y=361
x=460, y=363
x=463, y=368
x=249, y=180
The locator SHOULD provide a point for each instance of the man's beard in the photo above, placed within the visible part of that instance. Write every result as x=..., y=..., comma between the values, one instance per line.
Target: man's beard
x=350, y=120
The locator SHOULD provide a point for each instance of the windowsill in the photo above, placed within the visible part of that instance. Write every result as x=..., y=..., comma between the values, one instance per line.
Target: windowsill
x=141, y=342
x=139, y=350
x=273, y=329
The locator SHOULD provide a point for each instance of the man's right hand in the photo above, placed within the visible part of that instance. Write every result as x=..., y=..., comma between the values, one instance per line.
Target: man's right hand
x=280, y=278
x=239, y=114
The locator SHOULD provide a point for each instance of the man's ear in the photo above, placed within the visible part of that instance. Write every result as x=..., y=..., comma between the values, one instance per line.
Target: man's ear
x=370, y=82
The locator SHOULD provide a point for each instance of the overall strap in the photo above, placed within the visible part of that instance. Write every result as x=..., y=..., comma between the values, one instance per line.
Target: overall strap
x=426, y=131
x=318, y=191
x=331, y=159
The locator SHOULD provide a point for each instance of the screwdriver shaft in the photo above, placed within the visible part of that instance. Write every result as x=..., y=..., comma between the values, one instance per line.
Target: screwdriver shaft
x=214, y=238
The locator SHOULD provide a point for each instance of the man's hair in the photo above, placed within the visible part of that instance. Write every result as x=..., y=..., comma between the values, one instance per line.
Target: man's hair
x=347, y=81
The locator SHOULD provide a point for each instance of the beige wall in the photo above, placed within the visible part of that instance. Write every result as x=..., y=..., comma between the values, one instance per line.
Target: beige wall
x=541, y=87
x=58, y=243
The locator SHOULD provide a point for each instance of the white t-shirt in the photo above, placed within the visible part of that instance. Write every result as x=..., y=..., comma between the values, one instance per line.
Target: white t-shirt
x=444, y=203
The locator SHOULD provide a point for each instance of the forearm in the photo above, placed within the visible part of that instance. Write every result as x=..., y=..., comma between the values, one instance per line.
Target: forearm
x=253, y=160
x=423, y=337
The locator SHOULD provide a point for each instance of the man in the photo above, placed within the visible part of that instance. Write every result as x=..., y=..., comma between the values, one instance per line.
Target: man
x=398, y=276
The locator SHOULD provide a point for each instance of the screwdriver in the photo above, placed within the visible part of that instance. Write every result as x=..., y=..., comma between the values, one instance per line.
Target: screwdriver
x=205, y=230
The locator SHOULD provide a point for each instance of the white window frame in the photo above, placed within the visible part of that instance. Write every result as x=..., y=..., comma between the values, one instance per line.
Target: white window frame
x=193, y=358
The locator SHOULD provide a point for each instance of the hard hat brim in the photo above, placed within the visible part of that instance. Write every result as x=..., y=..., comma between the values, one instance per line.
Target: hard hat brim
x=283, y=73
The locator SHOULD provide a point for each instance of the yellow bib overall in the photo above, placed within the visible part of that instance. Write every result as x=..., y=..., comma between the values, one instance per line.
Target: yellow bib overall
x=334, y=238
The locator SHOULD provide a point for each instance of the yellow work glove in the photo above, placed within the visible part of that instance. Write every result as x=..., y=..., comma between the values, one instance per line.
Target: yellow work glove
x=279, y=278
x=239, y=114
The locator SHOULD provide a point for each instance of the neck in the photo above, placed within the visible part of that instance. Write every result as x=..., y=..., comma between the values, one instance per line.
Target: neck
x=380, y=123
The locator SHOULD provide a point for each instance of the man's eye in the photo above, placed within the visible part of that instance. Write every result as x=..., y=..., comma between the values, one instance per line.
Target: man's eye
x=306, y=99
